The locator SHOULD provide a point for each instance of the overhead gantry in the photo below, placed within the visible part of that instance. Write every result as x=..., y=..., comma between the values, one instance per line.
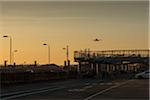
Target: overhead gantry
x=111, y=61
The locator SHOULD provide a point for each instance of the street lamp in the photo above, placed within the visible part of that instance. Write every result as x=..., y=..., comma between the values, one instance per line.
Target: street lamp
x=6, y=36
x=48, y=52
x=67, y=53
x=14, y=55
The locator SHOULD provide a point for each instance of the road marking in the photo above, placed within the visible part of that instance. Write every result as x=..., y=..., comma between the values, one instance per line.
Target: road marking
x=105, y=90
x=76, y=90
x=110, y=83
x=25, y=91
x=87, y=87
x=80, y=90
x=30, y=93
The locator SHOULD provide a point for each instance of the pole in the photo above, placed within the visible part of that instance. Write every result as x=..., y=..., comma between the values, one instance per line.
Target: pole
x=10, y=50
x=13, y=55
x=49, y=54
x=6, y=36
x=67, y=53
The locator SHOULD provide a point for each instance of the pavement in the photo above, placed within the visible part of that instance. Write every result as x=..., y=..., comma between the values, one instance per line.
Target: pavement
x=80, y=89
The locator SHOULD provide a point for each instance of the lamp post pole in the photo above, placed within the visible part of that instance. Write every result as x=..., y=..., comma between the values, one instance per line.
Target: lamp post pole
x=67, y=53
x=5, y=36
x=14, y=55
x=48, y=52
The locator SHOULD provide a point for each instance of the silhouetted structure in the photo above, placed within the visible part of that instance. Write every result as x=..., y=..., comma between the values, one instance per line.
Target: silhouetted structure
x=35, y=63
x=14, y=64
x=5, y=63
x=111, y=62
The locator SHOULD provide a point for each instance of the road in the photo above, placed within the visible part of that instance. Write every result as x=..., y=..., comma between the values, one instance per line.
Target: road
x=86, y=89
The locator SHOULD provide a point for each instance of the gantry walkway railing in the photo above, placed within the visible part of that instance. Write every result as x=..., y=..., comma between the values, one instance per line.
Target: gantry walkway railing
x=112, y=53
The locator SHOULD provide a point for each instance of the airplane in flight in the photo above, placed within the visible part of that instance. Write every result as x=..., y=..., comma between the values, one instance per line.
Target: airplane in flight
x=96, y=40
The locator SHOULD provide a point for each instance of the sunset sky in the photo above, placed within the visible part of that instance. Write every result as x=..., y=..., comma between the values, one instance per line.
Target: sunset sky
x=120, y=25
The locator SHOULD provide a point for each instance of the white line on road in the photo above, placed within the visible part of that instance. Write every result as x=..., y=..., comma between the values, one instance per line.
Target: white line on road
x=30, y=93
x=80, y=89
x=25, y=91
x=98, y=93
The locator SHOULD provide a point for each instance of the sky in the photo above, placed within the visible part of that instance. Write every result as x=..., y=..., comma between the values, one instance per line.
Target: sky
x=120, y=25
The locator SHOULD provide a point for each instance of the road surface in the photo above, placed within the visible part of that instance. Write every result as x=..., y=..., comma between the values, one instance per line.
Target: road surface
x=86, y=89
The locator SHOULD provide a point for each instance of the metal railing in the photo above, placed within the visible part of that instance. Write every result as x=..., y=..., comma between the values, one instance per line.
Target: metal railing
x=112, y=53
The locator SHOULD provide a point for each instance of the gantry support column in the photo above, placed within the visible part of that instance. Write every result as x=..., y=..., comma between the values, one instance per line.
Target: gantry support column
x=123, y=68
x=79, y=68
x=108, y=67
x=126, y=67
x=97, y=70
x=92, y=66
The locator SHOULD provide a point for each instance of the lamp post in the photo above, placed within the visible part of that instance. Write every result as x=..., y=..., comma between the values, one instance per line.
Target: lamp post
x=67, y=53
x=48, y=52
x=14, y=55
x=6, y=36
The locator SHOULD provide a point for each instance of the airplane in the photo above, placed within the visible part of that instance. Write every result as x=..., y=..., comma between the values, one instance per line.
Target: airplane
x=97, y=40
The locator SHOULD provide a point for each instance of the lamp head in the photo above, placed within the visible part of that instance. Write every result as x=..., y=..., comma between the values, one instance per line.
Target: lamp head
x=5, y=36
x=44, y=44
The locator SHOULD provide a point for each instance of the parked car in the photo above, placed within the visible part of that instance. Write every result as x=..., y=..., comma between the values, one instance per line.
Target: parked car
x=143, y=75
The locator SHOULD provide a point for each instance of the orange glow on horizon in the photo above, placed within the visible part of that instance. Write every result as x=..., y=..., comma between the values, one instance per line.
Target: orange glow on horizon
x=120, y=26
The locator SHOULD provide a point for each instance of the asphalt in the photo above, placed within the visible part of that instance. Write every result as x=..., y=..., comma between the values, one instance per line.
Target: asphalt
x=133, y=90
x=86, y=89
